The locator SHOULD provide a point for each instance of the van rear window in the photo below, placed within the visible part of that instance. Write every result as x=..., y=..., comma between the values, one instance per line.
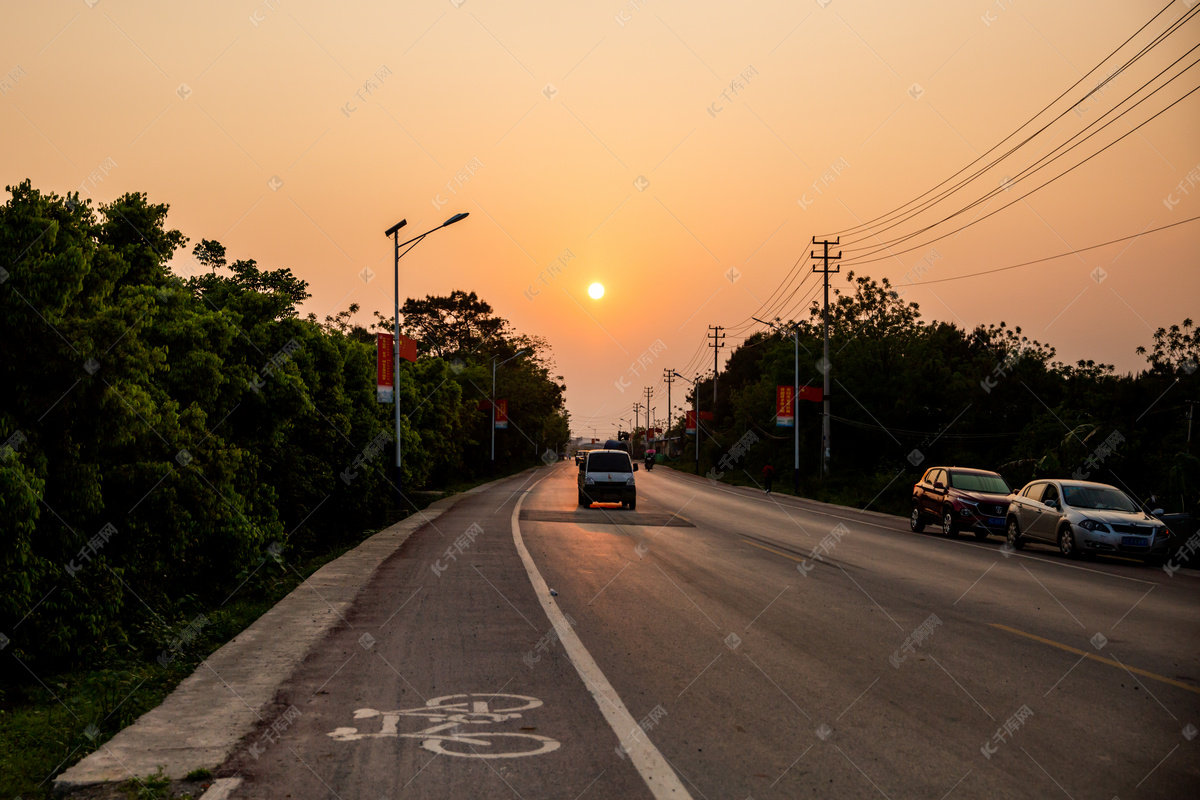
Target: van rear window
x=609, y=462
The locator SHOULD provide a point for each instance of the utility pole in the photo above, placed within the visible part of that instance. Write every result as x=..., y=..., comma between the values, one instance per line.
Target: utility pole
x=649, y=394
x=668, y=378
x=826, y=367
x=637, y=418
x=716, y=344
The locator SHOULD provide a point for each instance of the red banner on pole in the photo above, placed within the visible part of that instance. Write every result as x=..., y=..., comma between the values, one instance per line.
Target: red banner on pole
x=813, y=393
x=501, y=413
x=690, y=424
x=784, y=416
x=385, y=368
x=408, y=348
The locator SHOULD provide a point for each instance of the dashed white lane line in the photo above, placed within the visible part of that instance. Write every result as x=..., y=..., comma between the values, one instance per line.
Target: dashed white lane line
x=660, y=778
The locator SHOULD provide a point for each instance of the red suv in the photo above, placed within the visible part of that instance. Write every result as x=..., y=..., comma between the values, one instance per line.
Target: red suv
x=963, y=499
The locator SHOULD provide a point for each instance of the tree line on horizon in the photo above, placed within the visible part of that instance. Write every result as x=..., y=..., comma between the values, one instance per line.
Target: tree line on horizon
x=908, y=394
x=164, y=436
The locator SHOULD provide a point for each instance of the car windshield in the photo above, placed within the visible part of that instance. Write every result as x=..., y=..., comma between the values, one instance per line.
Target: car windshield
x=969, y=482
x=609, y=462
x=1099, y=498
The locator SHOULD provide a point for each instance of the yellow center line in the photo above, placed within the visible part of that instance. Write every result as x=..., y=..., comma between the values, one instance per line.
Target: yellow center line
x=772, y=550
x=1095, y=657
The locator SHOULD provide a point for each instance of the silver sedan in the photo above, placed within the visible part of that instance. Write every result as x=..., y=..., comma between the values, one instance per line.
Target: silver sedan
x=1084, y=518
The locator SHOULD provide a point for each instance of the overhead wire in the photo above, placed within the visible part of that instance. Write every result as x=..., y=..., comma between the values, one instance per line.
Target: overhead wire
x=871, y=222
x=1043, y=162
x=1061, y=255
x=863, y=260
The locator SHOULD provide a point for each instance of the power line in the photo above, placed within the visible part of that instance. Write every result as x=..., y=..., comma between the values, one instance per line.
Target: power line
x=860, y=260
x=1072, y=87
x=1044, y=161
x=933, y=201
x=1061, y=255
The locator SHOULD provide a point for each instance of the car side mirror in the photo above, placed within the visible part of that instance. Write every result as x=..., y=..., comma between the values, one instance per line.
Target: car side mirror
x=1158, y=512
x=1051, y=504
x=635, y=467
x=939, y=485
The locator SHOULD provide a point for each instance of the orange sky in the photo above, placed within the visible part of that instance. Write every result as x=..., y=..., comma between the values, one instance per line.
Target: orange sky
x=296, y=132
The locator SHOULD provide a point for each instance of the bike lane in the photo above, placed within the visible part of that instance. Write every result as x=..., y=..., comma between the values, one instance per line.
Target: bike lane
x=444, y=679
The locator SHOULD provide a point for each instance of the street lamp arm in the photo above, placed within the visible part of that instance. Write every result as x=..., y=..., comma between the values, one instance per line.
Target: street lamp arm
x=686, y=378
x=450, y=221
x=510, y=358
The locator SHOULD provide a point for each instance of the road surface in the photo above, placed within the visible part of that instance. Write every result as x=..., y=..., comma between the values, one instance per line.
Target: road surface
x=697, y=647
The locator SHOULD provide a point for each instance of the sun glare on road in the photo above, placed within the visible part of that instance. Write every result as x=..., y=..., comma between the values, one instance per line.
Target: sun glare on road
x=596, y=291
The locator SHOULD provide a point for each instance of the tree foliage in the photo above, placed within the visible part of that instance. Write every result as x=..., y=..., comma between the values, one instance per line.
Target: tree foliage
x=161, y=436
x=907, y=394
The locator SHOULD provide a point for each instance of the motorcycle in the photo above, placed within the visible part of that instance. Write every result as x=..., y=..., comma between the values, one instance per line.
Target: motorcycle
x=649, y=459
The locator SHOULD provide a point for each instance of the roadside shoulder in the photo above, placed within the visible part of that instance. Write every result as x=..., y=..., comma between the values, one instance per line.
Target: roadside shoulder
x=198, y=725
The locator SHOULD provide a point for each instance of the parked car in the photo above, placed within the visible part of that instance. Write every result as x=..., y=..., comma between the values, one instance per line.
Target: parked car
x=960, y=499
x=606, y=476
x=1084, y=518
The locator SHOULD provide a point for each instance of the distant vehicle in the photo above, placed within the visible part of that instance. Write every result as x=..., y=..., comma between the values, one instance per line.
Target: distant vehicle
x=615, y=444
x=961, y=499
x=580, y=455
x=1084, y=518
x=606, y=476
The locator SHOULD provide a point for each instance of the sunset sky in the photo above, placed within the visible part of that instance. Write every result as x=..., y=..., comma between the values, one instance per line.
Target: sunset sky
x=667, y=150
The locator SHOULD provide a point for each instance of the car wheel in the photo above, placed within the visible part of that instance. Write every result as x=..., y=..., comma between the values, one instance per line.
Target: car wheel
x=915, y=522
x=1014, y=535
x=948, y=528
x=583, y=501
x=981, y=534
x=633, y=504
x=1066, y=542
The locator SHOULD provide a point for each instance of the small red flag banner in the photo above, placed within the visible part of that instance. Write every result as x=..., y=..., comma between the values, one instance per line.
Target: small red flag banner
x=408, y=348
x=813, y=393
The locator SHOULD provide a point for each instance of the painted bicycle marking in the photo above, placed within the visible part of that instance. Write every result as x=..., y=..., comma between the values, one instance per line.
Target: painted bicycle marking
x=455, y=731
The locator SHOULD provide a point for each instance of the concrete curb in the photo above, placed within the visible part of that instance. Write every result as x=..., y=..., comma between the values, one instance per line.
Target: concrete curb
x=198, y=725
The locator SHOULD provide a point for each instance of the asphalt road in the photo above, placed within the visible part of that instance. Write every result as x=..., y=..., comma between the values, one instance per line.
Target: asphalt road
x=705, y=651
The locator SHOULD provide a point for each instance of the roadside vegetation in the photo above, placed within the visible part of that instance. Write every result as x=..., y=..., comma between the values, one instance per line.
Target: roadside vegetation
x=909, y=394
x=178, y=446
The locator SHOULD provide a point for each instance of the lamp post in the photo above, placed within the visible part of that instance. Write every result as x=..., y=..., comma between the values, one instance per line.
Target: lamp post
x=494, y=367
x=696, y=411
x=394, y=232
x=795, y=403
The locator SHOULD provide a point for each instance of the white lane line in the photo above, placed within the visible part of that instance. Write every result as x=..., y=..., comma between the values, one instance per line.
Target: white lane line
x=906, y=532
x=660, y=778
x=221, y=788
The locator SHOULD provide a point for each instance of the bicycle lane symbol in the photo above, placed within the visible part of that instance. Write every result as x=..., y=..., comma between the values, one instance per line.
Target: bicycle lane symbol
x=456, y=730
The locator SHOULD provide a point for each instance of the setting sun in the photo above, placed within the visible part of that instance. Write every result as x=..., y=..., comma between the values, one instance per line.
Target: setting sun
x=596, y=291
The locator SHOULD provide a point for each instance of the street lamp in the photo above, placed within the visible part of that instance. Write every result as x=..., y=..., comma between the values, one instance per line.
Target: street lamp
x=394, y=232
x=696, y=411
x=494, y=366
x=795, y=331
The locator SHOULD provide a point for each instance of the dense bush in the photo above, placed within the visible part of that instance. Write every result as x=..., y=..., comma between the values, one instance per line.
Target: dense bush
x=160, y=436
